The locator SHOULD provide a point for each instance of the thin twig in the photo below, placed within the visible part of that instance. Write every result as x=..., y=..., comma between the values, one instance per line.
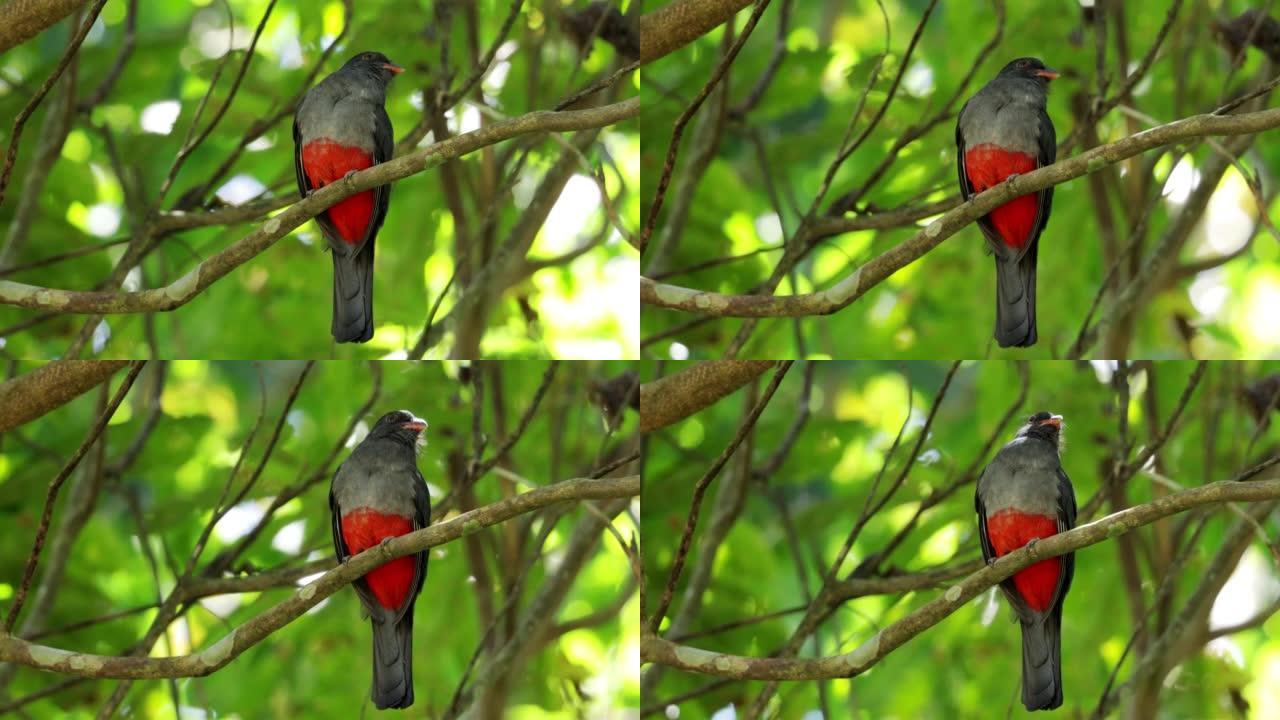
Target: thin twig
x=55, y=485
x=700, y=488
x=190, y=146
x=510, y=441
x=673, y=148
x=25, y=114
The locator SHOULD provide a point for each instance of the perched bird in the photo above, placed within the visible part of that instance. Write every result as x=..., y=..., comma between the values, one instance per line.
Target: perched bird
x=378, y=494
x=1024, y=495
x=341, y=127
x=1003, y=130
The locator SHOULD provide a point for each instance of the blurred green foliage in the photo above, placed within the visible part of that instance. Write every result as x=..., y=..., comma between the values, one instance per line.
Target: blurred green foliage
x=277, y=305
x=943, y=304
x=318, y=665
x=967, y=666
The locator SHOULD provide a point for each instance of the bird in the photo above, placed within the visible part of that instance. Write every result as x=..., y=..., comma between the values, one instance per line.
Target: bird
x=341, y=127
x=1005, y=130
x=378, y=494
x=1024, y=495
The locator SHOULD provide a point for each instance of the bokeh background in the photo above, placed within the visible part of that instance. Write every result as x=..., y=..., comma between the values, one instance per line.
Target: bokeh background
x=748, y=177
x=116, y=154
x=794, y=508
x=318, y=665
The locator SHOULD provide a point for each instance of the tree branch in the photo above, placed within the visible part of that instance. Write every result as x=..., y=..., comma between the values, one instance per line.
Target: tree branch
x=49, y=387
x=680, y=22
x=857, y=661
x=190, y=285
x=673, y=398
x=871, y=273
x=261, y=626
x=22, y=20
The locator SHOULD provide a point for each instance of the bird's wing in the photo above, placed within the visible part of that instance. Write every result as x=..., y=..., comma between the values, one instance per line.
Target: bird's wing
x=1046, y=153
x=1066, y=521
x=335, y=513
x=966, y=189
x=299, y=173
x=421, y=519
x=384, y=147
x=988, y=553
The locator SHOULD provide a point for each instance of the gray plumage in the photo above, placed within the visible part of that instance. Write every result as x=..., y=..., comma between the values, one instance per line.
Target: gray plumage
x=1026, y=476
x=1009, y=112
x=347, y=108
x=382, y=475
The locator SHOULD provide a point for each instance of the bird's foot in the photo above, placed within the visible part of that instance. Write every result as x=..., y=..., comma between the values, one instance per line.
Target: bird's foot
x=349, y=174
x=386, y=541
x=1031, y=546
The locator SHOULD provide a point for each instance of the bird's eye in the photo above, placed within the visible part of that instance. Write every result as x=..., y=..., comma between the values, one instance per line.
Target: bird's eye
x=1023, y=63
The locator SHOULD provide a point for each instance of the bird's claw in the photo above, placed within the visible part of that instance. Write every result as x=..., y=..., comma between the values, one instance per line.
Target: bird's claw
x=349, y=174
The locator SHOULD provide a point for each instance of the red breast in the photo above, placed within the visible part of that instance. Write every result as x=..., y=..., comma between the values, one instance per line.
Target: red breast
x=1010, y=530
x=362, y=529
x=989, y=165
x=325, y=161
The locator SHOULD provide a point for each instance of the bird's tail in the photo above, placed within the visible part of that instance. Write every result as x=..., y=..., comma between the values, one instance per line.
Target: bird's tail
x=1042, y=662
x=1016, y=300
x=353, y=295
x=393, y=662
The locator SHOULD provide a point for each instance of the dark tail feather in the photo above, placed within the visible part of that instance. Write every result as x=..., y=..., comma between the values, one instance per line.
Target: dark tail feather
x=393, y=663
x=353, y=295
x=1016, y=301
x=1042, y=663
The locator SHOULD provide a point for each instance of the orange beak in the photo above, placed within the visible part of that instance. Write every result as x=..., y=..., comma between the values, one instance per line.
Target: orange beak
x=393, y=68
x=416, y=425
x=1048, y=74
x=1054, y=420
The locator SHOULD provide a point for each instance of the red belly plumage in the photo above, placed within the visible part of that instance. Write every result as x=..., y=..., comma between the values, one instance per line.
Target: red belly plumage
x=325, y=161
x=987, y=166
x=362, y=529
x=1009, y=530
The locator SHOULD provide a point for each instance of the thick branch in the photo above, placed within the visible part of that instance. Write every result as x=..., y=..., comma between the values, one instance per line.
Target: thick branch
x=680, y=22
x=182, y=290
x=258, y=628
x=673, y=398
x=857, y=661
x=867, y=276
x=49, y=387
x=21, y=20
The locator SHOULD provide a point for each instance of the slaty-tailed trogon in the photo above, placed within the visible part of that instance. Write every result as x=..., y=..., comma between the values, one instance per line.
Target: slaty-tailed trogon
x=1024, y=495
x=376, y=495
x=341, y=127
x=1004, y=130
